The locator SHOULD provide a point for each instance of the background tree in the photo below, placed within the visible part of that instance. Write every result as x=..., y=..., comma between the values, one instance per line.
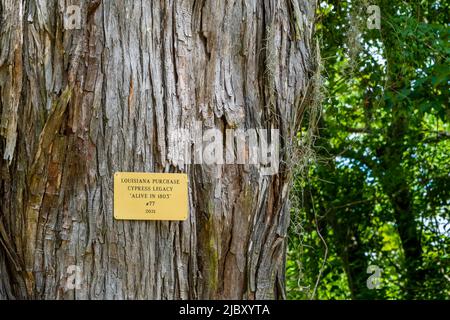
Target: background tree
x=379, y=192
x=78, y=105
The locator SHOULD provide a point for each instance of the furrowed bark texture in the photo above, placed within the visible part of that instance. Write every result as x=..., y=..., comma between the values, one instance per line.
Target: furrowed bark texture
x=79, y=105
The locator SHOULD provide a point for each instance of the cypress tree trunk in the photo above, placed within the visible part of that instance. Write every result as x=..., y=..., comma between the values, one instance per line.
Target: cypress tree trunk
x=83, y=99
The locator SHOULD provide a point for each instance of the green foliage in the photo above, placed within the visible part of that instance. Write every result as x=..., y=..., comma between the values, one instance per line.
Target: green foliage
x=379, y=192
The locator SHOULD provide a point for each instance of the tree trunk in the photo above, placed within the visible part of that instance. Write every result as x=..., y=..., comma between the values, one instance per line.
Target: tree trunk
x=81, y=102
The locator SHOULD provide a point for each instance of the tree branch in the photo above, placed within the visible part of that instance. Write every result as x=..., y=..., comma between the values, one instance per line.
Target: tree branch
x=439, y=136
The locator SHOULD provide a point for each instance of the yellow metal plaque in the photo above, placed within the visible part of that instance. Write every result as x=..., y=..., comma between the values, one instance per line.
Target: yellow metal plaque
x=150, y=196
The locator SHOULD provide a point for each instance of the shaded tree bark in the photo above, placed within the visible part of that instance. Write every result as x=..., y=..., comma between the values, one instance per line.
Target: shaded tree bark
x=79, y=105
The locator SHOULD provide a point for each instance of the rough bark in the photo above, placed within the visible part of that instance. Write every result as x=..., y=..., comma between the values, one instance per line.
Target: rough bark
x=78, y=105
